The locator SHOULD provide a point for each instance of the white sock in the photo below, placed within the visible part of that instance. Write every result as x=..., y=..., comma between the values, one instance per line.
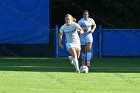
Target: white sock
x=83, y=57
x=76, y=63
x=88, y=56
x=71, y=59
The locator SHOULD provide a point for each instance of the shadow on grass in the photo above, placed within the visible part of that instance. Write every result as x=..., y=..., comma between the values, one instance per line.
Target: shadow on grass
x=109, y=65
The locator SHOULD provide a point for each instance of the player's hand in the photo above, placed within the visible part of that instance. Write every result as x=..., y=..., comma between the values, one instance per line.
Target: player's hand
x=61, y=46
x=92, y=31
x=80, y=31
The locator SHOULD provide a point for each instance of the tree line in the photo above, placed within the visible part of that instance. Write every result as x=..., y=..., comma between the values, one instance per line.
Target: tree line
x=108, y=13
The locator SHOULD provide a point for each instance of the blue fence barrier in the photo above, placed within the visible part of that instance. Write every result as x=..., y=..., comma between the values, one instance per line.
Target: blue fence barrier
x=109, y=42
x=121, y=42
x=24, y=21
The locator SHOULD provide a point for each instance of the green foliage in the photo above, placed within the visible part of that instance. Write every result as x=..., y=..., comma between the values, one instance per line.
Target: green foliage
x=118, y=13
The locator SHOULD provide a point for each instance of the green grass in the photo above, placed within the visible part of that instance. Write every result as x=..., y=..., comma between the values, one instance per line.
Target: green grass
x=51, y=75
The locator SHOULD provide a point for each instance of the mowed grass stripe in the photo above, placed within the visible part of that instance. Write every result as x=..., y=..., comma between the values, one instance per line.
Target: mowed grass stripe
x=51, y=75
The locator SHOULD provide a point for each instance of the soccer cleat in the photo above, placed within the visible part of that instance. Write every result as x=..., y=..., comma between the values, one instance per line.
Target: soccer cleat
x=88, y=64
x=78, y=71
x=70, y=58
x=83, y=63
x=86, y=72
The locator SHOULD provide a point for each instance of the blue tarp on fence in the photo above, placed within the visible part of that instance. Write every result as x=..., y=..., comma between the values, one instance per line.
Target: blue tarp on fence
x=24, y=21
x=121, y=42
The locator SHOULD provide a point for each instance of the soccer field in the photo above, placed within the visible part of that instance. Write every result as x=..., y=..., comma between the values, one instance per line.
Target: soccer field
x=51, y=75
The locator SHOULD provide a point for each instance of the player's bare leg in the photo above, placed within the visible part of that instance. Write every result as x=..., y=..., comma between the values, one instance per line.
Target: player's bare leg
x=71, y=58
x=83, y=55
x=72, y=51
x=89, y=48
x=78, y=53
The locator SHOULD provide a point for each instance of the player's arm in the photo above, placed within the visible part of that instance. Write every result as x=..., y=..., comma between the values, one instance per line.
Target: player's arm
x=93, y=26
x=79, y=29
x=60, y=38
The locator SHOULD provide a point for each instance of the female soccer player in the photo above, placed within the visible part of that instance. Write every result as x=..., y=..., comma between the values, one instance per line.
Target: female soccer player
x=71, y=30
x=88, y=25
